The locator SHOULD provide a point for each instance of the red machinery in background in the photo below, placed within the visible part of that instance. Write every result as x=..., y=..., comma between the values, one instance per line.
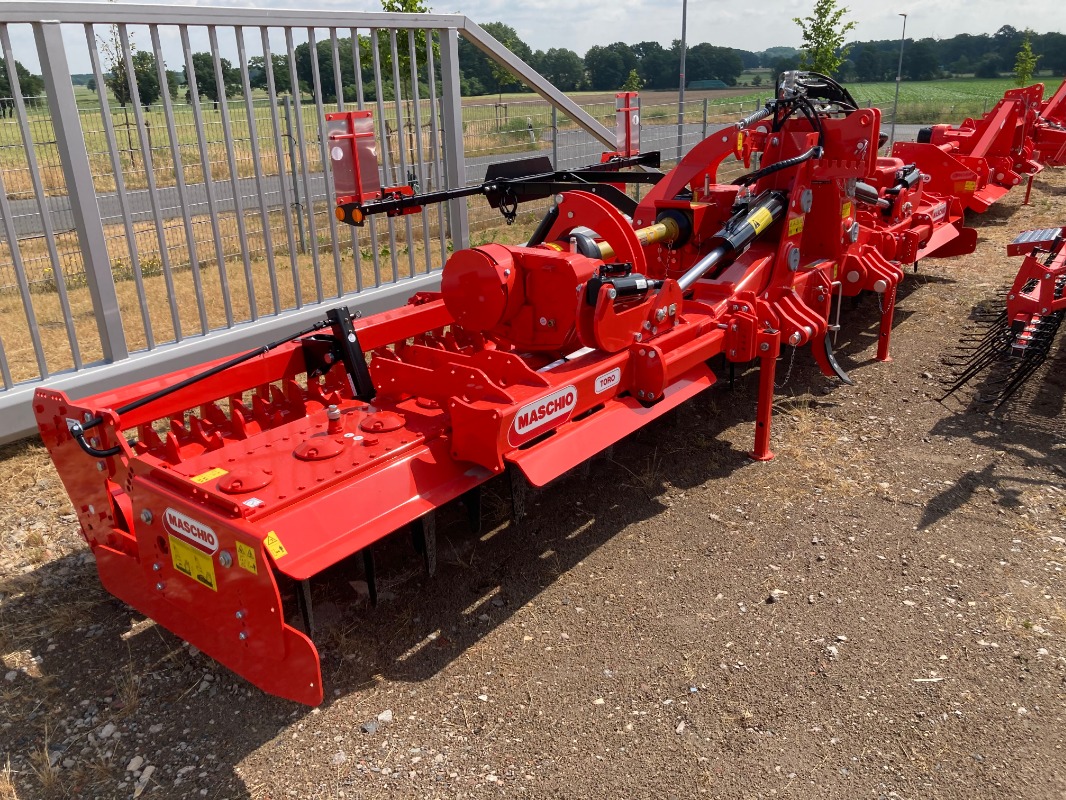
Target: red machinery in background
x=1019, y=338
x=208, y=495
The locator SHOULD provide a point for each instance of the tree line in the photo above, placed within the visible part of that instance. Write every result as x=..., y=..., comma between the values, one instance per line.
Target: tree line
x=609, y=67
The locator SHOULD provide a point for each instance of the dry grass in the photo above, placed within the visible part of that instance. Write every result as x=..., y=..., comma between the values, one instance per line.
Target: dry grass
x=7, y=782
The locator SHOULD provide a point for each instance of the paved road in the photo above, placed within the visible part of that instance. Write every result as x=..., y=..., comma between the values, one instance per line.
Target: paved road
x=576, y=148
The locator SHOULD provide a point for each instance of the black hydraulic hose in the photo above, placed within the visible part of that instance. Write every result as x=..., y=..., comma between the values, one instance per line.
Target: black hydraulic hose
x=78, y=429
x=752, y=177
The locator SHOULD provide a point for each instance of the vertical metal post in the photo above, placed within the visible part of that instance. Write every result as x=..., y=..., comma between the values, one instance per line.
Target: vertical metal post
x=454, y=159
x=70, y=142
x=704, y=136
x=292, y=169
x=899, y=77
x=681, y=89
x=555, y=138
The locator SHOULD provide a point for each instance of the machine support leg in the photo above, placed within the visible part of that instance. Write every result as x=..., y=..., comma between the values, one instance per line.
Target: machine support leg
x=1028, y=190
x=765, y=410
x=888, y=309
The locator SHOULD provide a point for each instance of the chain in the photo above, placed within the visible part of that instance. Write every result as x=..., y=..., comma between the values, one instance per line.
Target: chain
x=788, y=374
x=509, y=205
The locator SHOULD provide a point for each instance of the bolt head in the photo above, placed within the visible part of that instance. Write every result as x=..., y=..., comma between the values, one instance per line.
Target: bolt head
x=156, y=567
x=612, y=293
x=146, y=516
x=100, y=466
x=240, y=615
x=159, y=586
x=764, y=346
x=638, y=336
x=242, y=635
x=225, y=559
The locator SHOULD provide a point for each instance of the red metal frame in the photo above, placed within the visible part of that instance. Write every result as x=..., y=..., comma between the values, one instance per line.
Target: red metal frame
x=264, y=475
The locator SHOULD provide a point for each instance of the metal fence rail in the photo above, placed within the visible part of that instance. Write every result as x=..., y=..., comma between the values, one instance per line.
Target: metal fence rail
x=140, y=237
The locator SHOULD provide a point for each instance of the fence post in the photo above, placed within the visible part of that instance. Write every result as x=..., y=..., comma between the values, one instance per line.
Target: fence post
x=704, y=118
x=292, y=169
x=452, y=118
x=84, y=208
x=555, y=138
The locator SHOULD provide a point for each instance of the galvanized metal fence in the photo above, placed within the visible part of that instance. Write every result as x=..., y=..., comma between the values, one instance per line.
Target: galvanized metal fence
x=140, y=237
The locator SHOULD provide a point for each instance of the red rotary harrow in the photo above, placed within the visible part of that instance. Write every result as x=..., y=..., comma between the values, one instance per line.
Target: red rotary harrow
x=210, y=497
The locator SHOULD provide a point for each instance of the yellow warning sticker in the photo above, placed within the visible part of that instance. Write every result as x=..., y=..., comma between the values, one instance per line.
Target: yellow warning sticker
x=845, y=210
x=210, y=475
x=193, y=563
x=760, y=219
x=246, y=558
x=965, y=186
x=274, y=545
x=795, y=226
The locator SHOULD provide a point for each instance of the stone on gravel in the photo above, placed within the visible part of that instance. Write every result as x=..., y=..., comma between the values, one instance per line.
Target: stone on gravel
x=339, y=758
x=369, y=727
x=106, y=731
x=135, y=764
x=11, y=676
x=142, y=782
x=385, y=716
x=680, y=727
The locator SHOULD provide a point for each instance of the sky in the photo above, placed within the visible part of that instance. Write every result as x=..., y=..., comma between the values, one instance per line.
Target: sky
x=580, y=24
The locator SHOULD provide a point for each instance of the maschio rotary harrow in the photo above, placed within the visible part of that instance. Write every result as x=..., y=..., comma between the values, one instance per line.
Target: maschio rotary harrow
x=1017, y=340
x=210, y=497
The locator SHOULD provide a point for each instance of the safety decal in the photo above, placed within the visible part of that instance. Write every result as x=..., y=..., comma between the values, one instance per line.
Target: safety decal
x=210, y=475
x=274, y=546
x=246, y=558
x=192, y=563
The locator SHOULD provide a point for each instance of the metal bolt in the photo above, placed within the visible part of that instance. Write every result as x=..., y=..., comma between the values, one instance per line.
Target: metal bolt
x=146, y=517
x=647, y=325
x=242, y=635
x=733, y=353
x=507, y=273
x=612, y=293
x=660, y=315
x=156, y=567
x=225, y=559
x=638, y=337
x=640, y=393
x=775, y=141
x=764, y=346
x=651, y=354
x=673, y=309
x=159, y=586
x=240, y=615
x=99, y=466
x=88, y=417
x=543, y=320
x=641, y=352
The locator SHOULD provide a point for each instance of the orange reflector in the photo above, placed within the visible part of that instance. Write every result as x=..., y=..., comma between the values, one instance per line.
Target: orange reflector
x=338, y=212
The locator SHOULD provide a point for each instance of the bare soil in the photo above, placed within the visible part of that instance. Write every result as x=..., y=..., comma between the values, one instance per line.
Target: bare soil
x=621, y=642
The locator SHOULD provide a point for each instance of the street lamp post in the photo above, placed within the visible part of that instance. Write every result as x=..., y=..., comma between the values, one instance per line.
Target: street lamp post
x=681, y=93
x=899, y=77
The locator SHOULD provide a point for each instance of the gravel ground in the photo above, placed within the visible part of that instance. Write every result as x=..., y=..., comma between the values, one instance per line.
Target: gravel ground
x=875, y=613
